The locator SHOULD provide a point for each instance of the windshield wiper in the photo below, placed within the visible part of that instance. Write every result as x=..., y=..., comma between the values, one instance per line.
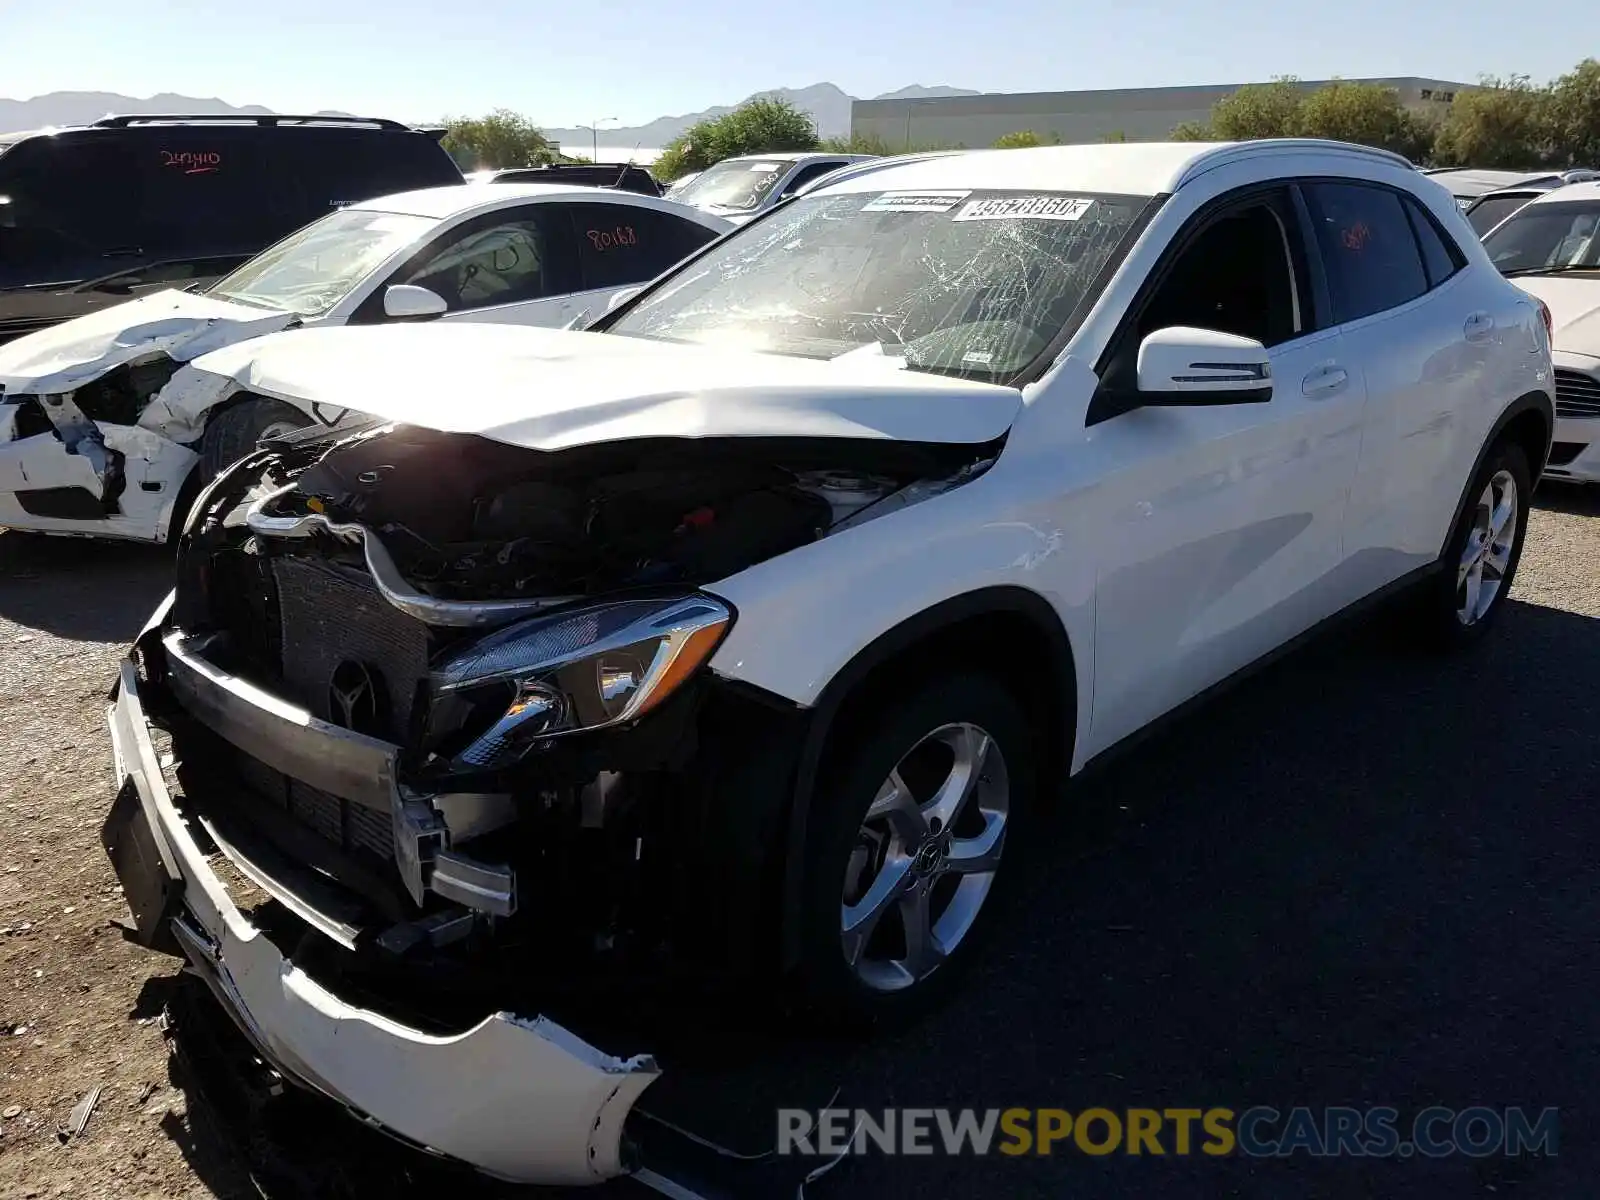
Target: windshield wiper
x=130, y=277
x=1556, y=269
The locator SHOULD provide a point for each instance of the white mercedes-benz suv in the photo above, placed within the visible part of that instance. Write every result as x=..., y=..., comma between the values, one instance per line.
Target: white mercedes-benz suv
x=744, y=633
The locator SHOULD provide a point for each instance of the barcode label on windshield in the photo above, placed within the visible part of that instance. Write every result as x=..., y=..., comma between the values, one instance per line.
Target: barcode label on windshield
x=916, y=201
x=1019, y=208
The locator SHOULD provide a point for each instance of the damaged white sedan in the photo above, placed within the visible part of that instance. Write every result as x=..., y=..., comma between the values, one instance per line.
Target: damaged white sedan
x=105, y=432
x=738, y=638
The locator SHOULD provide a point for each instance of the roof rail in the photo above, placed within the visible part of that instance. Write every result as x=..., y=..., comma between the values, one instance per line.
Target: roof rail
x=266, y=119
x=1228, y=150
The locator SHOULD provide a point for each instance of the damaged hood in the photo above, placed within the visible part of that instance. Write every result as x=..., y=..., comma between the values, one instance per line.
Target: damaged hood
x=181, y=325
x=549, y=389
x=1574, y=309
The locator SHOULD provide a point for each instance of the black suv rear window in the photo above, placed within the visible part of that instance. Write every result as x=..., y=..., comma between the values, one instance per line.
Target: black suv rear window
x=85, y=203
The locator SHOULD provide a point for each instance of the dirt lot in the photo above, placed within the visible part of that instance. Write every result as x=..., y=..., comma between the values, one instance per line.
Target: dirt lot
x=1363, y=878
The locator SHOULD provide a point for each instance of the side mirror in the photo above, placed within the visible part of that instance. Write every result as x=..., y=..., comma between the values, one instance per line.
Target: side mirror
x=405, y=300
x=1184, y=366
x=622, y=297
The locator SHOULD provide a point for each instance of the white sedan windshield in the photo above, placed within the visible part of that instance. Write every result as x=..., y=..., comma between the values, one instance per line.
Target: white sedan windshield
x=961, y=282
x=740, y=184
x=1547, y=237
x=314, y=268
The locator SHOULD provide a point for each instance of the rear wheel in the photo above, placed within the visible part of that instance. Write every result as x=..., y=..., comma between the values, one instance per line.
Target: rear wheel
x=906, y=846
x=1480, y=562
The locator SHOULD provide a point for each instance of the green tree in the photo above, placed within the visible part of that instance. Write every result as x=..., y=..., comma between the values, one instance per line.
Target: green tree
x=757, y=126
x=1193, y=131
x=1021, y=139
x=500, y=139
x=1503, y=123
x=1367, y=114
x=872, y=143
x=1573, y=116
x=1259, y=110
x=859, y=143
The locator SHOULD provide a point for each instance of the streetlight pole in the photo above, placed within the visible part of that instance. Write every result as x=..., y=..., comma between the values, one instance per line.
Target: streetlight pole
x=594, y=137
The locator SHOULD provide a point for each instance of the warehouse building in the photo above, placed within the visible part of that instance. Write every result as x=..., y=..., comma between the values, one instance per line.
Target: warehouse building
x=1137, y=114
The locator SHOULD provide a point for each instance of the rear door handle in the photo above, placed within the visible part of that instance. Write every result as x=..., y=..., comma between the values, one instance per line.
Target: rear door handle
x=1325, y=381
x=1479, y=325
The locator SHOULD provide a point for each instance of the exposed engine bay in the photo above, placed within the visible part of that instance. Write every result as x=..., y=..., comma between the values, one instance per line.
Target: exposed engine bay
x=502, y=617
x=469, y=518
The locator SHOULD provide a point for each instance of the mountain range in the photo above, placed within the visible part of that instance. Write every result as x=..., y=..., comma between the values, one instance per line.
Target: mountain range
x=828, y=104
x=79, y=108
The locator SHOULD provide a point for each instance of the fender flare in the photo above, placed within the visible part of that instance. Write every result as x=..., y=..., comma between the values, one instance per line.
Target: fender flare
x=1539, y=402
x=1008, y=600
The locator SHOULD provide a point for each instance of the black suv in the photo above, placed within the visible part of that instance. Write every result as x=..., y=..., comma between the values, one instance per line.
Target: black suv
x=627, y=178
x=91, y=216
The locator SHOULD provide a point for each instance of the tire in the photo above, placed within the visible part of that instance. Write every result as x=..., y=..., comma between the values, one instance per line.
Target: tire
x=234, y=432
x=1443, y=617
x=851, y=861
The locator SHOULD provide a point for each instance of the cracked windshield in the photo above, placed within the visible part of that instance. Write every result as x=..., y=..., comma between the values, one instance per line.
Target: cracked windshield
x=969, y=283
x=738, y=185
x=311, y=271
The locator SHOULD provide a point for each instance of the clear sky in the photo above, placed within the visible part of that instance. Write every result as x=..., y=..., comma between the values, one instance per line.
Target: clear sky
x=565, y=64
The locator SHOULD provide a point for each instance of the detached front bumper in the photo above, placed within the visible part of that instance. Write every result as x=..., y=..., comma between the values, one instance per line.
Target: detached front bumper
x=518, y=1097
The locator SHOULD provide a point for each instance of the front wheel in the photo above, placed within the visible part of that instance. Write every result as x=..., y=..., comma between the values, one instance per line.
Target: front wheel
x=1481, y=559
x=907, y=842
x=234, y=432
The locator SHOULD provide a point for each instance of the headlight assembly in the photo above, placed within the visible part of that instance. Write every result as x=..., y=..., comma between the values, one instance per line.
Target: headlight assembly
x=571, y=672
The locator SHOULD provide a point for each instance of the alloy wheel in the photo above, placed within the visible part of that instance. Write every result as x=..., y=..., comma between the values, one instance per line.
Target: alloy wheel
x=925, y=857
x=1487, y=555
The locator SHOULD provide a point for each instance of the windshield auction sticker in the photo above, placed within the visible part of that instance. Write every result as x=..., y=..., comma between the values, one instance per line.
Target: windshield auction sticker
x=1023, y=208
x=916, y=201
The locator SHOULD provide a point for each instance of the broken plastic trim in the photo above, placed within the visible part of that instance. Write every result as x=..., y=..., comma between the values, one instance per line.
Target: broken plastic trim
x=391, y=584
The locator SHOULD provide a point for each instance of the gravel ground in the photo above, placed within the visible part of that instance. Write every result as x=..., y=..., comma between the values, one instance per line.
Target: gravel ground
x=1363, y=878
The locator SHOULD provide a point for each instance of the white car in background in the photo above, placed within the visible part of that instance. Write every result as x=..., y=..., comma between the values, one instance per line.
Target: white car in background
x=1551, y=249
x=1469, y=184
x=104, y=432
x=680, y=185
x=741, y=188
x=747, y=631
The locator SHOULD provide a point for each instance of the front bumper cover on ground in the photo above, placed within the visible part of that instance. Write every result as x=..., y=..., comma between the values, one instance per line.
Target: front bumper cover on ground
x=518, y=1097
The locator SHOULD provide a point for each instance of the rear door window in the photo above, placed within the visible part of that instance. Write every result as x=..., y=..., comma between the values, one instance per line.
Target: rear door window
x=620, y=244
x=1371, y=254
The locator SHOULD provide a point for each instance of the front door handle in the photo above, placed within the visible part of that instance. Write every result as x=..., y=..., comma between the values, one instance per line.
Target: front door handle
x=1479, y=325
x=1327, y=380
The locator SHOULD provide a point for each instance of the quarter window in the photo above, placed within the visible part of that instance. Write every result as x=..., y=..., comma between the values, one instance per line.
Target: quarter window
x=1441, y=257
x=1368, y=247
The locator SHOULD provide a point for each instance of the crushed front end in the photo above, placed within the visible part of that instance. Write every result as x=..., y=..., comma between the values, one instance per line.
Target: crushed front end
x=423, y=754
